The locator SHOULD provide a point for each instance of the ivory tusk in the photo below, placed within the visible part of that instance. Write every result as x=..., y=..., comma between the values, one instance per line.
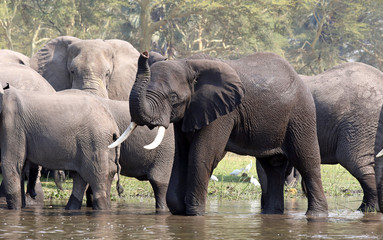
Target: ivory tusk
x=124, y=136
x=157, y=141
x=379, y=153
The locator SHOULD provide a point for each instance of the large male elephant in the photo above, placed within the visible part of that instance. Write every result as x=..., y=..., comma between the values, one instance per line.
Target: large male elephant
x=256, y=105
x=108, y=68
x=66, y=130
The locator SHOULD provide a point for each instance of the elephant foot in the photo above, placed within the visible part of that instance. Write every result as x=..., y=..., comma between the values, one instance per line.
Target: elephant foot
x=32, y=193
x=13, y=203
x=273, y=207
x=365, y=207
x=272, y=211
x=317, y=213
x=73, y=203
x=160, y=210
x=100, y=204
x=195, y=210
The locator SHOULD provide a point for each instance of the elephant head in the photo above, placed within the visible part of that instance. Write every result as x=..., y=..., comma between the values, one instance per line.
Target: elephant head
x=192, y=91
x=104, y=67
x=9, y=56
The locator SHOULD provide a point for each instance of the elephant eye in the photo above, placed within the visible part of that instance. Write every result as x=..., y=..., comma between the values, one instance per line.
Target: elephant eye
x=173, y=97
x=107, y=73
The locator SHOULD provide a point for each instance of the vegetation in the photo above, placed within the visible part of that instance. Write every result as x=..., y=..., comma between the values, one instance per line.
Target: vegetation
x=313, y=35
x=336, y=182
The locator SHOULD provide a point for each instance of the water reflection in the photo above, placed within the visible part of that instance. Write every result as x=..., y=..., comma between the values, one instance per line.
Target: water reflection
x=224, y=220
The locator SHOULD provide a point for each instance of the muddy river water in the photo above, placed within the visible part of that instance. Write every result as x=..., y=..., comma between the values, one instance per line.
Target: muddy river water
x=223, y=220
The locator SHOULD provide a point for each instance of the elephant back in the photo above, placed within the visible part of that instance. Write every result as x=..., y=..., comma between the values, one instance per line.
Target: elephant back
x=9, y=56
x=23, y=77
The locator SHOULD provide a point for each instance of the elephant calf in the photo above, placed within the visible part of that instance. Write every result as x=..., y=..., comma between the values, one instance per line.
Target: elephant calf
x=69, y=130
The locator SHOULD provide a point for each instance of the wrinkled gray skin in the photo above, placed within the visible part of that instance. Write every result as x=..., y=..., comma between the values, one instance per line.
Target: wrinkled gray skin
x=68, y=130
x=108, y=69
x=256, y=105
x=15, y=71
x=349, y=100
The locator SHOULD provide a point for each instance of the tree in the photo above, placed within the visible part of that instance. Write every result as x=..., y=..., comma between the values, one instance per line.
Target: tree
x=8, y=11
x=326, y=33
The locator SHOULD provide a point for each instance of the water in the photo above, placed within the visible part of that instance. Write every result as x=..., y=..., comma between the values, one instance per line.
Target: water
x=224, y=220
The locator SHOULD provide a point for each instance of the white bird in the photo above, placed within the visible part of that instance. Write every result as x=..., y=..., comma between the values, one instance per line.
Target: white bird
x=254, y=181
x=214, y=178
x=248, y=167
x=236, y=172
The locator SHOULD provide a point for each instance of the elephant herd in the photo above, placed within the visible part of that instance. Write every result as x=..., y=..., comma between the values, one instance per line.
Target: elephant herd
x=93, y=106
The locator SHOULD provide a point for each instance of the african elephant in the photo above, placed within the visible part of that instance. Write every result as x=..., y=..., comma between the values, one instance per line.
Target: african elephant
x=105, y=67
x=23, y=77
x=256, y=105
x=349, y=101
x=67, y=130
x=108, y=69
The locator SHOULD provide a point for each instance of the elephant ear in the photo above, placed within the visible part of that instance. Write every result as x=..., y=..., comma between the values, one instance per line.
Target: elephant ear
x=218, y=90
x=124, y=69
x=51, y=62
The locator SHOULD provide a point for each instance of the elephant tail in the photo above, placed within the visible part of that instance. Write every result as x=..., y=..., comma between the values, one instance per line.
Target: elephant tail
x=119, y=187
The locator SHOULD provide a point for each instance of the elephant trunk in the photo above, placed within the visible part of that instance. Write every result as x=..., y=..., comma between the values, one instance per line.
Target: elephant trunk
x=138, y=104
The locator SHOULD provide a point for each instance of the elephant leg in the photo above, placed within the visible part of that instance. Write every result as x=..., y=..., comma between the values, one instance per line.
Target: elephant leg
x=159, y=190
x=59, y=178
x=101, y=192
x=370, y=198
x=366, y=176
x=302, y=150
x=2, y=189
x=32, y=179
x=379, y=182
x=308, y=165
x=273, y=198
x=75, y=199
x=89, y=197
x=263, y=181
x=12, y=171
x=13, y=191
x=175, y=196
x=207, y=149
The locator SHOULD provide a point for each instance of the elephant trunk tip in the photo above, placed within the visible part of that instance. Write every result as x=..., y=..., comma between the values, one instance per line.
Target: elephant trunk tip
x=145, y=54
x=143, y=63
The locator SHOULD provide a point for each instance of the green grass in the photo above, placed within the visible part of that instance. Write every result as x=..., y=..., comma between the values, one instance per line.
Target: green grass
x=336, y=182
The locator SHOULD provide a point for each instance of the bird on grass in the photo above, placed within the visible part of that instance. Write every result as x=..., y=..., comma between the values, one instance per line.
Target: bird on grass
x=214, y=178
x=254, y=181
x=235, y=172
x=248, y=166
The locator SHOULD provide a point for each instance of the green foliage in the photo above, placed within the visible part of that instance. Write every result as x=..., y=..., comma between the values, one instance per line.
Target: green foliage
x=313, y=35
